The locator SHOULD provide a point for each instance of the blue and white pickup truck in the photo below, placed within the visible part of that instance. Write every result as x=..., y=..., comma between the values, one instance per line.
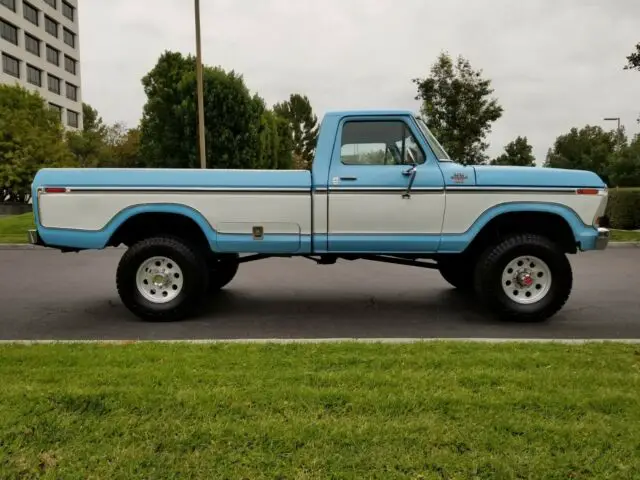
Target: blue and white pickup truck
x=381, y=188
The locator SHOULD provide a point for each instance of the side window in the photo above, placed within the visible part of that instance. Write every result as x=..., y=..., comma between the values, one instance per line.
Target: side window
x=379, y=143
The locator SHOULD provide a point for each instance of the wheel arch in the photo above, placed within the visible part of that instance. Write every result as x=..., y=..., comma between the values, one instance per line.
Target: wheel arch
x=557, y=222
x=142, y=221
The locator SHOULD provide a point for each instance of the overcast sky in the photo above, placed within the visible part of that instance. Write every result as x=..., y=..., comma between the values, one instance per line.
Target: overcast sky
x=554, y=64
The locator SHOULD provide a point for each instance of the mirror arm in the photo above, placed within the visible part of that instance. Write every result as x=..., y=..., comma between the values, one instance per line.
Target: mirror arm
x=411, y=171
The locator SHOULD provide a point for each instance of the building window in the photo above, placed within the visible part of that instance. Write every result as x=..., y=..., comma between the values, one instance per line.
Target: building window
x=10, y=65
x=8, y=32
x=69, y=38
x=72, y=92
x=34, y=75
x=52, y=3
x=31, y=13
x=57, y=109
x=70, y=65
x=53, y=55
x=51, y=26
x=32, y=44
x=72, y=118
x=10, y=4
x=68, y=11
x=53, y=83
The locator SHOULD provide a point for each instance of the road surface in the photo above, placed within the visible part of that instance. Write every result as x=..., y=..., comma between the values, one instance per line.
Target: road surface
x=48, y=295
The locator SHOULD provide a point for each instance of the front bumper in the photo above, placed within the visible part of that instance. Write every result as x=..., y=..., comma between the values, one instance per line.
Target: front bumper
x=34, y=238
x=603, y=238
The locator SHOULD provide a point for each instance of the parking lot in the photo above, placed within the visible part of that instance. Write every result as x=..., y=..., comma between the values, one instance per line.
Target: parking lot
x=45, y=294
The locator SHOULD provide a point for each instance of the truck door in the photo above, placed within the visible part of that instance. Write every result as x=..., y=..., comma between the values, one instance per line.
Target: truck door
x=386, y=190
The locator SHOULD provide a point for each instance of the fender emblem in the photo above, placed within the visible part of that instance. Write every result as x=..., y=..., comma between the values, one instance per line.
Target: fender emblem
x=458, y=177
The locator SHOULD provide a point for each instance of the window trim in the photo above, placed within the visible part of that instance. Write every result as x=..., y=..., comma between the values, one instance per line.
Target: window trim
x=14, y=9
x=39, y=70
x=72, y=18
x=74, y=62
x=56, y=23
x=27, y=35
x=25, y=7
x=59, y=80
x=17, y=60
x=401, y=120
x=5, y=22
x=65, y=33
x=77, y=115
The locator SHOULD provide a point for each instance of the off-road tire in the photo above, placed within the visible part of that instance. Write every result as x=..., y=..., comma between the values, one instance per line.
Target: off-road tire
x=458, y=271
x=222, y=270
x=195, y=279
x=490, y=266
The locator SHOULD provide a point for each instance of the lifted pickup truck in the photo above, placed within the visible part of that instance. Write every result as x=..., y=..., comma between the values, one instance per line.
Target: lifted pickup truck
x=381, y=188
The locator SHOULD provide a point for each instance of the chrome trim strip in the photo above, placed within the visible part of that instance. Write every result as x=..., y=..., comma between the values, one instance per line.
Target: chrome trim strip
x=135, y=189
x=385, y=189
x=473, y=188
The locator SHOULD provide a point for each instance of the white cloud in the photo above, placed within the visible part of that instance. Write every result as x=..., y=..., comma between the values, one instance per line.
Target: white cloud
x=555, y=64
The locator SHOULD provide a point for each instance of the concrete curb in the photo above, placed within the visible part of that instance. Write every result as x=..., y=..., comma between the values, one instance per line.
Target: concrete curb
x=26, y=246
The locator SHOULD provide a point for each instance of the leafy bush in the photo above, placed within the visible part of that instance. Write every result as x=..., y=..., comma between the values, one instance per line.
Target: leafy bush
x=623, y=209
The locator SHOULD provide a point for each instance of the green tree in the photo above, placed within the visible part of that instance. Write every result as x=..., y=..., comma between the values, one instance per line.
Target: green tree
x=624, y=169
x=457, y=105
x=238, y=127
x=633, y=60
x=88, y=145
x=31, y=138
x=304, y=126
x=589, y=148
x=517, y=153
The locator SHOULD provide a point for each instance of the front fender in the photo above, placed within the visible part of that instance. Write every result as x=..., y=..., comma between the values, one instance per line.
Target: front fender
x=458, y=242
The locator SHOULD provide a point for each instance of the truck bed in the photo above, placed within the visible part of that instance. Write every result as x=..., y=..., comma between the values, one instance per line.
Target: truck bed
x=83, y=207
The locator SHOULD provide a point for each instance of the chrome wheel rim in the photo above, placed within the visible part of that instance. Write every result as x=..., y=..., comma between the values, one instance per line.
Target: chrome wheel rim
x=526, y=280
x=159, y=279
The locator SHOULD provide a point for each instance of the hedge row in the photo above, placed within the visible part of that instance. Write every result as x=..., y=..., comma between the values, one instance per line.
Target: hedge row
x=623, y=209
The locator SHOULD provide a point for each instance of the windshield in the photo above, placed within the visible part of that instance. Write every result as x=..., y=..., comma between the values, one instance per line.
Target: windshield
x=438, y=150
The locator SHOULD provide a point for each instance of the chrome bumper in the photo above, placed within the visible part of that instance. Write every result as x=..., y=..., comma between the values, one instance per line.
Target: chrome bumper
x=34, y=239
x=603, y=238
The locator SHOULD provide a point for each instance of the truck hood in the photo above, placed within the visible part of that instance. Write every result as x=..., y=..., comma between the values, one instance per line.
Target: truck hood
x=535, y=177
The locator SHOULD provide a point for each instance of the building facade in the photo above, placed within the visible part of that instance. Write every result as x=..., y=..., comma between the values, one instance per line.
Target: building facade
x=39, y=43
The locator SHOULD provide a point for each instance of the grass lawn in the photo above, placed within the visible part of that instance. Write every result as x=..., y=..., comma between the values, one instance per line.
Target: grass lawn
x=625, y=236
x=13, y=229
x=422, y=411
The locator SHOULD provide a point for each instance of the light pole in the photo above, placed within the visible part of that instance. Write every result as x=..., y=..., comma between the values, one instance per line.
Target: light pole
x=200, y=87
x=613, y=119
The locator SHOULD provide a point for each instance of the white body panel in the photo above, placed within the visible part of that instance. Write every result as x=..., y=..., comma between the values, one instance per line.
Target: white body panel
x=225, y=212
x=386, y=213
x=464, y=208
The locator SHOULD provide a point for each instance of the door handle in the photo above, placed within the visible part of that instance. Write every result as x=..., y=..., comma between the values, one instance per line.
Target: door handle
x=351, y=179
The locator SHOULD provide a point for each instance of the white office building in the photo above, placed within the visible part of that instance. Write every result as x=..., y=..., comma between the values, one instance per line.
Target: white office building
x=39, y=42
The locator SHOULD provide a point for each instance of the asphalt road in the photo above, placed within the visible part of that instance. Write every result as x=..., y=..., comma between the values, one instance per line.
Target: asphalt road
x=45, y=294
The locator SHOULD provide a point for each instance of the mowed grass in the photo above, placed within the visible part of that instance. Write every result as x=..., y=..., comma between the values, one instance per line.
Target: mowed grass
x=353, y=411
x=625, y=236
x=13, y=228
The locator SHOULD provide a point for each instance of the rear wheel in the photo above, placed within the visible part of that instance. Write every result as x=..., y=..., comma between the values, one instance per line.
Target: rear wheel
x=525, y=278
x=162, y=279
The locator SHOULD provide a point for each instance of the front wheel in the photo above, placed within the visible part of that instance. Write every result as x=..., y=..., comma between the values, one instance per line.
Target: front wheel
x=162, y=279
x=525, y=278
